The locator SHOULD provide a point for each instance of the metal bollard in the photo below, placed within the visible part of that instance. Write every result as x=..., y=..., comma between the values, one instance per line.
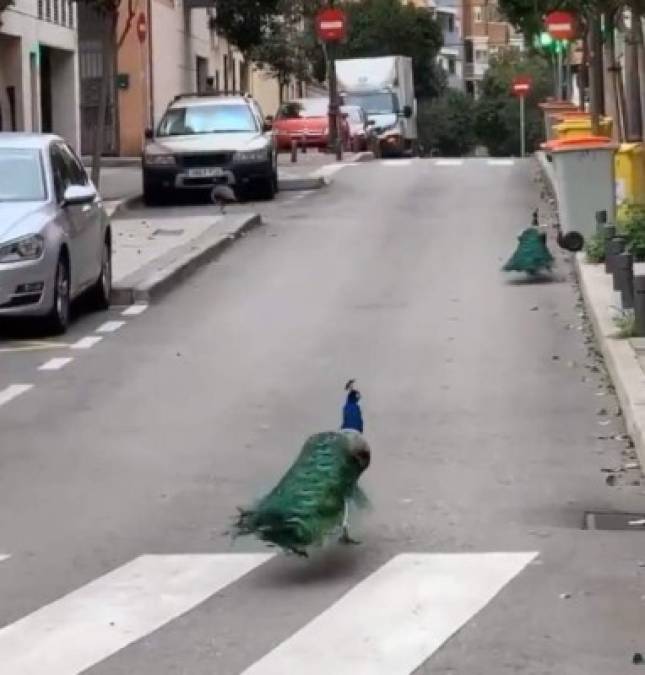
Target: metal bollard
x=294, y=150
x=639, y=304
x=601, y=221
x=623, y=271
x=613, y=247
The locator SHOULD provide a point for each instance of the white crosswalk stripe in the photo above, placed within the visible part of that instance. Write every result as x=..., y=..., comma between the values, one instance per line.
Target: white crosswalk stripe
x=500, y=162
x=397, y=617
x=449, y=162
x=97, y=620
x=4, y=556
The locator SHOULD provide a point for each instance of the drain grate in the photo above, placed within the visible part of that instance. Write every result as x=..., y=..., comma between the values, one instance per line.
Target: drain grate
x=167, y=233
x=634, y=522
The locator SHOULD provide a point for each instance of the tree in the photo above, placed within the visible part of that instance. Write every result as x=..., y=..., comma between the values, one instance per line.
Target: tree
x=109, y=11
x=246, y=23
x=283, y=50
x=497, y=117
x=447, y=124
x=389, y=27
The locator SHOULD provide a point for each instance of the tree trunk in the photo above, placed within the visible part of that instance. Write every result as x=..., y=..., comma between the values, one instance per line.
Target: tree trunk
x=106, y=82
x=595, y=72
x=611, y=91
x=632, y=88
x=640, y=57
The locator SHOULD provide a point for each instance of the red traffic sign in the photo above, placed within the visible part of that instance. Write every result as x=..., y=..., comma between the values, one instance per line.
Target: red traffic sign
x=142, y=27
x=561, y=25
x=522, y=85
x=331, y=24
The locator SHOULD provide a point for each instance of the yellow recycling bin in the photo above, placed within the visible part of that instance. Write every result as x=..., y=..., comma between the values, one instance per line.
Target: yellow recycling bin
x=574, y=127
x=630, y=173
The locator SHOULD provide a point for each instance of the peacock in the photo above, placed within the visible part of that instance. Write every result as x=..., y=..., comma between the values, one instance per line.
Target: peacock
x=532, y=254
x=312, y=499
x=221, y=195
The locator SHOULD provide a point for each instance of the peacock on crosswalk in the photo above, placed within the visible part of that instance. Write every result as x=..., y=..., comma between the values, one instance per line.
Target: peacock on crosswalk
x=313, y=498
x=532, y=254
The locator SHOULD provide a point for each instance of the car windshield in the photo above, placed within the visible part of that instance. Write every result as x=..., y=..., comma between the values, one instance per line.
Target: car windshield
x=314, y=107
x=207, y=119
x=21, y=175
x=374, y=104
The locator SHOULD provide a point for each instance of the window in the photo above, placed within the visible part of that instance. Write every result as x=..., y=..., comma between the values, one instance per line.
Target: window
x=481, y=56
x=208, y=119
x=451, y=23
x=452, y=66
x=477, y=14
x=66, y=170
x=226, y=73
x=40, y=9
x=55, y=11
x=75, y=170
x=21, y=176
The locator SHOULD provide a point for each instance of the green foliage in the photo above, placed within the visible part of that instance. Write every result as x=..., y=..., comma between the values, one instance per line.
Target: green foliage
x=497, y=119
x=632, y=226
x=526, y=15
x=595, y=248
x=245, y=23
x=447, y=124
x=625, y=321
x=390, y=27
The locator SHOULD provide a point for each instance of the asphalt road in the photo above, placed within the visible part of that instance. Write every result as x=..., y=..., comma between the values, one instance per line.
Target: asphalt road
x=481, y=407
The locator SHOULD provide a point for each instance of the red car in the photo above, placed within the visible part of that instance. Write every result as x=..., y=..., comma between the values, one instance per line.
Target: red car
x=306, y=120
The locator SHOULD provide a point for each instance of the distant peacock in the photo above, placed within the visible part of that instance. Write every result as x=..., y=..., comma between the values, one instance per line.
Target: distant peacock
x=312, y=499
x=532, y=254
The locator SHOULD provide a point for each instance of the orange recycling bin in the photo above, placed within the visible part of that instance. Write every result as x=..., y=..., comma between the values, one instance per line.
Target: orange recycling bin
x=551, y=109
x=578, y=125
x=585, y=184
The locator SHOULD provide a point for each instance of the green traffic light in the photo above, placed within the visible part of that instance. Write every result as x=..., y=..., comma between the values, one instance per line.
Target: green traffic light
x=546, y=40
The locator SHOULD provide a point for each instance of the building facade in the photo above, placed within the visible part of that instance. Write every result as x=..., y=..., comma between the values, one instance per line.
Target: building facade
x=451, y=56
x=169, y=48
x=39, y=85
x=485, y=35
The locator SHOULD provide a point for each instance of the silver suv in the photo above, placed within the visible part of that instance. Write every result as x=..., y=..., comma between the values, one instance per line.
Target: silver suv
x=203, y=140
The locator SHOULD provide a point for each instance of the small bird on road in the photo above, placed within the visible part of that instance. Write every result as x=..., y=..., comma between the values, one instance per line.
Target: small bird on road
x=222, y=195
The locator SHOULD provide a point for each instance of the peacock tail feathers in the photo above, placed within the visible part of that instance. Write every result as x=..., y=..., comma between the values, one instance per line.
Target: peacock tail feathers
x=308, y=503
x=531, y=254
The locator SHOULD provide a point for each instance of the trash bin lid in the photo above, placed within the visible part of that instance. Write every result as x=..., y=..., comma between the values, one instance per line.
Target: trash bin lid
x=630, y=148
x=557, y=105
x=589, y=142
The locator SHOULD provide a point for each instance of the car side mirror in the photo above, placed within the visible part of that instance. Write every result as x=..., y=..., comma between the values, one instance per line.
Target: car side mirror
x=371, y=123
x=79, y=194
x=149, y=134
x=407, y=111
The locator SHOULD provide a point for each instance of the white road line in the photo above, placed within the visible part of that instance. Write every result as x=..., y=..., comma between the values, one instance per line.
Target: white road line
x=56, y=364
x=449, y=162
x=87, y=342
x=134, y=310
x=13, y=391
x=88, y=625
x=110, y=326
x=4, y=556
x=396, y=618
x=396, y=162
x=500, y=162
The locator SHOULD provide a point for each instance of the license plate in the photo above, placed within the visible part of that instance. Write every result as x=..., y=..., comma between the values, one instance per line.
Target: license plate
x=214, y=172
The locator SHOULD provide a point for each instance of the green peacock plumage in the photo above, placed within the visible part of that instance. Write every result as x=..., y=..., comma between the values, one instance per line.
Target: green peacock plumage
x=531, y=254
x=311, y=499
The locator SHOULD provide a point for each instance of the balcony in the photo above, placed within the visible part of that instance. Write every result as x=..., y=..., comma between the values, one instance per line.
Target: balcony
x=475, y=71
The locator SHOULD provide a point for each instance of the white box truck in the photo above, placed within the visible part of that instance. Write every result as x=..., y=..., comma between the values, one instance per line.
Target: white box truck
x=384, y=87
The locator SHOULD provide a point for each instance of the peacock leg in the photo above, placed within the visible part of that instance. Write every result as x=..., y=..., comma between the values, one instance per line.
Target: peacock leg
x=344, y=537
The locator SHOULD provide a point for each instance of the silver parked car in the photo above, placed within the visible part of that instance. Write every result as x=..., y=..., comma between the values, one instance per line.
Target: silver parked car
x=55, y=237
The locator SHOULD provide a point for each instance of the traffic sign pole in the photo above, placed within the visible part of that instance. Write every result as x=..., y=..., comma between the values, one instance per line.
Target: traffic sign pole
x=522, y=127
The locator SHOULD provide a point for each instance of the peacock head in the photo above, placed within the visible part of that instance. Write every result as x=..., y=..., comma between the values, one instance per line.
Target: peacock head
x=358, y=448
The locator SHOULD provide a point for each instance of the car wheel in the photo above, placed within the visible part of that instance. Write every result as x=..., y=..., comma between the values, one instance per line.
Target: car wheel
x=102, y=290
x=267, y=188
x=58, y=319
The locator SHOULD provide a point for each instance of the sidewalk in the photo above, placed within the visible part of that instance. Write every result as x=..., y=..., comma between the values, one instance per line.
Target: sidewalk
x=150, y=257
x=624, y=358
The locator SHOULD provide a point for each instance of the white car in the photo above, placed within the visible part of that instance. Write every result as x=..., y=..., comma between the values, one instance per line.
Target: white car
x=55, y=237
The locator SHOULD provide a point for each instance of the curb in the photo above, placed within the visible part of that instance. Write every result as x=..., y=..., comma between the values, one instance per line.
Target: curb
x=620, y=358
x=306, y=183
x=168, y=270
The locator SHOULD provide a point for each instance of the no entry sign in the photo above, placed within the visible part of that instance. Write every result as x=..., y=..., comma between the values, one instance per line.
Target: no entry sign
x=521, y=85
x=331, y=24
x=561, y=25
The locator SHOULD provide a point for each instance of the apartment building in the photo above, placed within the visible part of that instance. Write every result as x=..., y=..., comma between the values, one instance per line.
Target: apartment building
x=39, y=68
x=485, y=34
x=451, y=57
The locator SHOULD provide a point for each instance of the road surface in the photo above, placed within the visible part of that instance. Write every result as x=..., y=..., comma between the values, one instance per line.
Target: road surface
x=122, y=467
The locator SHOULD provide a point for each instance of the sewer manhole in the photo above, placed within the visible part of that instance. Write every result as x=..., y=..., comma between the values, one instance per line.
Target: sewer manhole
x=634, y=522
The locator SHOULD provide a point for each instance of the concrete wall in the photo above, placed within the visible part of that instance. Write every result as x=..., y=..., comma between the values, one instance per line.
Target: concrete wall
x=21, y=20
x=10, y=76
